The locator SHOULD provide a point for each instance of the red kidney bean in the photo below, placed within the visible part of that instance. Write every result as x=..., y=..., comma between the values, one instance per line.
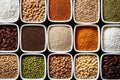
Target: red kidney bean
x=8, y=37
x=111, y=67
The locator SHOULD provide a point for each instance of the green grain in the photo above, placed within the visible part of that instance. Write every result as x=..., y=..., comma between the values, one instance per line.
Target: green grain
x=111, y=10
x=33, y=66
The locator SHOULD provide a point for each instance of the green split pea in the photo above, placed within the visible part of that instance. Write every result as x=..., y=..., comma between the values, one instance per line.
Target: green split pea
x=111, y=10
x=33, y=66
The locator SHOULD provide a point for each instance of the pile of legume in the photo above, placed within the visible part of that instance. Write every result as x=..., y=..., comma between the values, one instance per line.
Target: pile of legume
x=8, y=66
x=86, y=66
x=33, y=66
x=111, y=67
x=60, y=66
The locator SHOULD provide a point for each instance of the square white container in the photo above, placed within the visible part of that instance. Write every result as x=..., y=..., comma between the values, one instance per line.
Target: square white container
x=18, y=66
x=82, y=54
x=26, y=25
x=55, y=25
x=101, y=64
x=11, y=24
x=32, y=21
x=60, y=54
x=98, y=29
x=86, y=22
x=102, y=14
x=17, y=15
x=102, y=31
x=59, y=21
x=32, y=54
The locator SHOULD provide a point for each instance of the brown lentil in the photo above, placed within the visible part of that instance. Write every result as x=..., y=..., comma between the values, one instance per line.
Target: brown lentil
x=8, y=66
x=60, y=66
x=33, y=10
x=86, y=66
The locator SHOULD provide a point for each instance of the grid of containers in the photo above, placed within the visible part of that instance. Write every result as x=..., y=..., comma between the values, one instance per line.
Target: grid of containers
x=59, y=51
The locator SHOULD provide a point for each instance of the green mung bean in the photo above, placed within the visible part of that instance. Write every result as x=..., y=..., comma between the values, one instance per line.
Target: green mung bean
x=111, y=10
x=33, y=66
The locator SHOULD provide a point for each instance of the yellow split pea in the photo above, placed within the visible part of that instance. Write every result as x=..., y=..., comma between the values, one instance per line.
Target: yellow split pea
x=86, y=66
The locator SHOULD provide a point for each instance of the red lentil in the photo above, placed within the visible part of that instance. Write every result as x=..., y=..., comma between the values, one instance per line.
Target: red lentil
x=59, y=9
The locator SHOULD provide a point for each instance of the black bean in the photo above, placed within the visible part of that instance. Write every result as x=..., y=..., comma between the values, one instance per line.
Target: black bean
x=111, y=67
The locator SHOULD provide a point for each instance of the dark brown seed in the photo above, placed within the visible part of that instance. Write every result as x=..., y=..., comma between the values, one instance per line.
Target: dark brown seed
x=111, y=67
x=8, y=37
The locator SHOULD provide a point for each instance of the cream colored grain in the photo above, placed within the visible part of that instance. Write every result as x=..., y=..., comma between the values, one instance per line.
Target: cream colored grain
x=59, y=38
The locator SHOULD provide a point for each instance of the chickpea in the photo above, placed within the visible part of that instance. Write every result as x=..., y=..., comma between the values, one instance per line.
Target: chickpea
x=30, y=7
